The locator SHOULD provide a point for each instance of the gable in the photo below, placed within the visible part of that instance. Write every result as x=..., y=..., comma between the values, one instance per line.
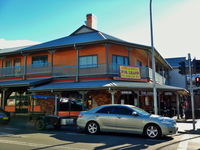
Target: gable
x=83, y=29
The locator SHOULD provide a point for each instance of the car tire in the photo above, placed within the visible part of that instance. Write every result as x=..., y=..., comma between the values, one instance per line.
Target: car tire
x=92, y=127
x=40, y=124
x=152, y=131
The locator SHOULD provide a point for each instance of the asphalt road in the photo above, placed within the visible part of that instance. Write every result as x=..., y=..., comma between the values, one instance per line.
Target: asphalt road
x=19, y=135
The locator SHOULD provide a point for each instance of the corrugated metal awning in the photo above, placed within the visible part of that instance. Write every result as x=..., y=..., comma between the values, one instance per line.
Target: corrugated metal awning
x=102, y=84
x=23, y=83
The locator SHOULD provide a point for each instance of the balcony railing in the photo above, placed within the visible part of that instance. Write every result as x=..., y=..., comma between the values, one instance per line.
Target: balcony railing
x=73, y=71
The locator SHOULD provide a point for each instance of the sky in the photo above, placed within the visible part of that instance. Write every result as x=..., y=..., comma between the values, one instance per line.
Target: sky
x=176, y=23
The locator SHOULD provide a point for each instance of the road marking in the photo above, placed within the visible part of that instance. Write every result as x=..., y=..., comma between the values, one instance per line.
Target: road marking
x=39, y=145
x=12, y=128
x=183, y=145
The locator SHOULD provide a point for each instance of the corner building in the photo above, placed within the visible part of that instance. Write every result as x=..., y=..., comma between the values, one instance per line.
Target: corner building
x=88, y=65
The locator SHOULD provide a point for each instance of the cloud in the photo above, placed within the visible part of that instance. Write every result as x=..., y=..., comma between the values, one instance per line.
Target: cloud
x=15, y=43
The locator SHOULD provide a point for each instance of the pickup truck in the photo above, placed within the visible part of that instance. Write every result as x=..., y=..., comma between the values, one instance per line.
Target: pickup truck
x=66, y=113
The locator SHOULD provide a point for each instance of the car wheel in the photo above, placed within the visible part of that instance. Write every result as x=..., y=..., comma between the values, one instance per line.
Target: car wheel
x=92, y=128
x=40, y=124
x=152, y=131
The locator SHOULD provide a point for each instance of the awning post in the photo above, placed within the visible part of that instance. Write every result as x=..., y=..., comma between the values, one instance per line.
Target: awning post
x=3, y=99
x=177, y=105
x=112, y=92
x=56, y=105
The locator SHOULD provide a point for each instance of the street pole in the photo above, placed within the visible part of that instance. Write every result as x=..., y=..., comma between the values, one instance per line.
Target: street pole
x=191, y=91
x=153, y=63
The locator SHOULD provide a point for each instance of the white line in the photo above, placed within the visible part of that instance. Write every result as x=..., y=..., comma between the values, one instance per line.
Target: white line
x=39, y=145
x=184, y=142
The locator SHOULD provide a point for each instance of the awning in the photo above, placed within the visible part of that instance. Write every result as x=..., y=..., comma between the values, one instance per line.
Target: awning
x=102, y=84
x=23, y=83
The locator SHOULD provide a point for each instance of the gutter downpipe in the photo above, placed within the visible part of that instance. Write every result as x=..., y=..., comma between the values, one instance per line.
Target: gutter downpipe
x=153, y=62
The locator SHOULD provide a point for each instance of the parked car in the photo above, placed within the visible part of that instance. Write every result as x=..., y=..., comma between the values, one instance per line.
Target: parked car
x=4, y=116
x=127, y=119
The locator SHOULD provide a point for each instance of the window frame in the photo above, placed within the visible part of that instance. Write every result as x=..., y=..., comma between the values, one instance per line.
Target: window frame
x=85, y=66
x=124, y=59
x=40, y=64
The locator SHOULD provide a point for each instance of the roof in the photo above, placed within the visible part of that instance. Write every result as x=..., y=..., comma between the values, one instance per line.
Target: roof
x=12, y=50
x=82, y=36
x=24, y=83
x=174, y=62
x=102, y=84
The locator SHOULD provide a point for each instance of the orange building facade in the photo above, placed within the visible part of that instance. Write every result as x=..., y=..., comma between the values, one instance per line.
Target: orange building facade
x=84, y=65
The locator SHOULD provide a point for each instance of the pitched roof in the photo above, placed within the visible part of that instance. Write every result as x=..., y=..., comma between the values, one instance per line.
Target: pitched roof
x=82, y=36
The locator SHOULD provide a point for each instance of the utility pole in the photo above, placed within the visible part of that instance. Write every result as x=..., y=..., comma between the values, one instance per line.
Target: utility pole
x=191, y=91
x=153, y=63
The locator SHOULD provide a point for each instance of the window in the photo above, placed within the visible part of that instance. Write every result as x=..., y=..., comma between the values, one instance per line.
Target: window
x=119, y=60
x=122, y=111
x=105, y=110
x=39, y=61
x=88, y=61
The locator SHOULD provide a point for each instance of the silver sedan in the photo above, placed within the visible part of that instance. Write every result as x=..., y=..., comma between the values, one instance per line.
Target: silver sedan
x=127, y=119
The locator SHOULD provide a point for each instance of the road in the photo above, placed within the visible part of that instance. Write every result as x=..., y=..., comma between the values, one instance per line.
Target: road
x=16, y=136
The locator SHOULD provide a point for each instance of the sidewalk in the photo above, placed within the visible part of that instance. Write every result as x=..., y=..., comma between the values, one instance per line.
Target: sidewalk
x=186, y=126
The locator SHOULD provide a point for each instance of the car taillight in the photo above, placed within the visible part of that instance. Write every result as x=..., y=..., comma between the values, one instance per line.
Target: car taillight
x=80, y=116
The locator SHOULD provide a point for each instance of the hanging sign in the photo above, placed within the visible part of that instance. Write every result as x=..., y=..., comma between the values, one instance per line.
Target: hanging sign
x=130, y=72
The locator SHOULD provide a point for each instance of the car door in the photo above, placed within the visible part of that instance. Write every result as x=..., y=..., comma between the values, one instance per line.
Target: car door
x=105, y=118
x=126, y=121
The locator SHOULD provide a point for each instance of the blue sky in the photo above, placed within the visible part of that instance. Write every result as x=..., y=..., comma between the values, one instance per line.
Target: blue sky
x=25, y=21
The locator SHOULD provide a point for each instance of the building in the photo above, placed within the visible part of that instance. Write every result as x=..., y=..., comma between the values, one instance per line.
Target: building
x=180, y=80
x=88, y=65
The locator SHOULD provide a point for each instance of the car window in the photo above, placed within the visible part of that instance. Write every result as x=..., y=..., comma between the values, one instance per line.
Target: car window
x=105, y=110
x=122, y=111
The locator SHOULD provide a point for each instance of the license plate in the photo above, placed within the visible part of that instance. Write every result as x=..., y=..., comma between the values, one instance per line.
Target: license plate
x=5, y=118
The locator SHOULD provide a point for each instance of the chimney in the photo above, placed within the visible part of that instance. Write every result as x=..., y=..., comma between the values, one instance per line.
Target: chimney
x=91, y=21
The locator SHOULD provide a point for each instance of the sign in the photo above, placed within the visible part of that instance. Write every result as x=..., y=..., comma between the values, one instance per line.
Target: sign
x=144, y=93
x=130, y=72
x=126, y=92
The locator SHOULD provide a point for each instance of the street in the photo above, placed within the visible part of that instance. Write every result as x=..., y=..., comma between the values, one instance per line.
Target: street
x=19, y=135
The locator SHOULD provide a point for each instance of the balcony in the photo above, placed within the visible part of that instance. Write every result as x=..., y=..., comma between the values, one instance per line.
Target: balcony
x=101, y=69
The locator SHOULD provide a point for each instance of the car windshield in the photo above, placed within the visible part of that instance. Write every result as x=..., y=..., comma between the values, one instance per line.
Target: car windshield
x=141, y=111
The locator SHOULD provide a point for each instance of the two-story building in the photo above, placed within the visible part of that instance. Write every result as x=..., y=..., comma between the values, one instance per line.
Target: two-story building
x=88, y=65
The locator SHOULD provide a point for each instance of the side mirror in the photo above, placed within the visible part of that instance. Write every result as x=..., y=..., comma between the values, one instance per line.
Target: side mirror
x=135, y=113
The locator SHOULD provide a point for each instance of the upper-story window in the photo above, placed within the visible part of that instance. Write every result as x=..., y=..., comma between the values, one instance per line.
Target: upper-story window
x=88, y=61
x=120, y=60
x=40, y=60
x=8, y=63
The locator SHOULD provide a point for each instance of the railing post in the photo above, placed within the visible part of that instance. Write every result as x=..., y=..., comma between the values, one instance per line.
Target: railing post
x=52, y=64
x=25, y=67
x=77, y=62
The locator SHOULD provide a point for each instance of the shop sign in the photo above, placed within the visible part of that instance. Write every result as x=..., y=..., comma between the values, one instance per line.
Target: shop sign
x=10, y=102
x=130, y=72
x=126, y=92
x=146, y=93
x=168, y=93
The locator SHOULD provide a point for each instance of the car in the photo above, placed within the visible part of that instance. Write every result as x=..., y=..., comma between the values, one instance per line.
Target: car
x=126, y=119
x=4, y=116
